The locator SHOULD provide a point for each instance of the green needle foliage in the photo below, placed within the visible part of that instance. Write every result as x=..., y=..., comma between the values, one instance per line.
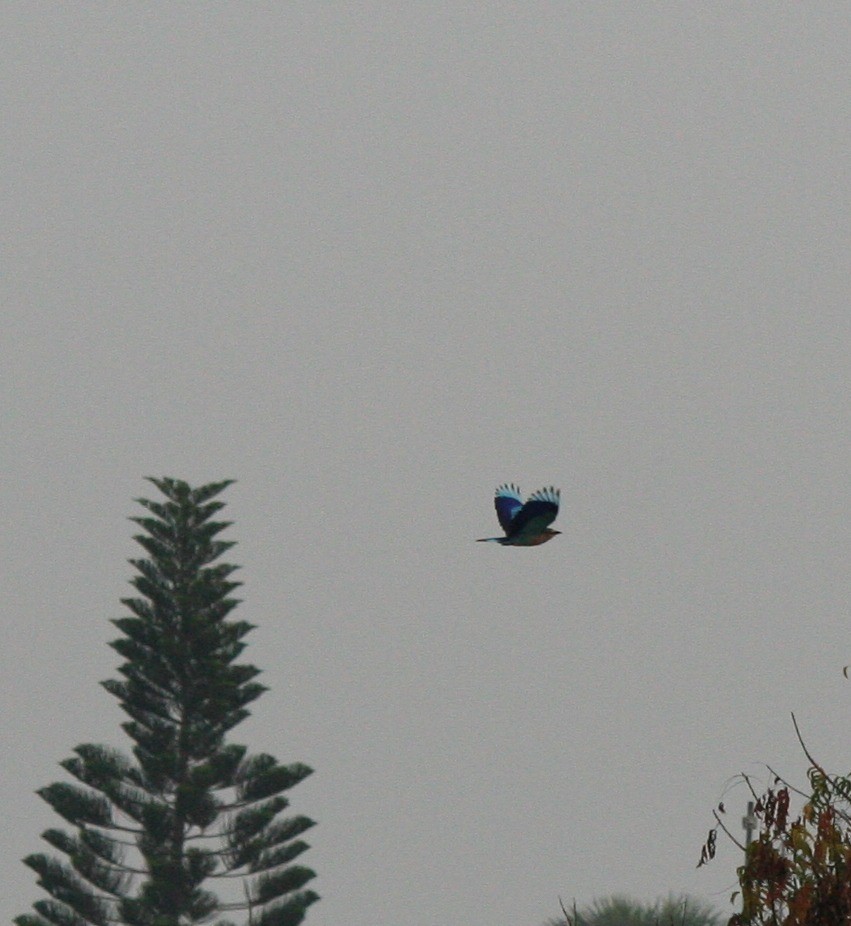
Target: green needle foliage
x=189, y=809
x=623, y=911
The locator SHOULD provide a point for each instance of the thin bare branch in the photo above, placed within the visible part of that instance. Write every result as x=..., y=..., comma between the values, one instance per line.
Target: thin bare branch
x=720, y=822
x=813, y=762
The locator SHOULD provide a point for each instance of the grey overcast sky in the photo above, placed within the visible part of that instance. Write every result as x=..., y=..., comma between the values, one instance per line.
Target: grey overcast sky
x=371, y=259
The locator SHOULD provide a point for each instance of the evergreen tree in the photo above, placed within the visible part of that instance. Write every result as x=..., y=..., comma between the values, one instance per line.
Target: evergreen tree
x=623, y=911
x=189, y=808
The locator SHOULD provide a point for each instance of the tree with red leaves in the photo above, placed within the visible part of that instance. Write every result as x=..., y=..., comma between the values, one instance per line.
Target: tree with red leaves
x=797, y=870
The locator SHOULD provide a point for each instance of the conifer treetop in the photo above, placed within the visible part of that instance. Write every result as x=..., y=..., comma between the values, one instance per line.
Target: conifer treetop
x=189, y=808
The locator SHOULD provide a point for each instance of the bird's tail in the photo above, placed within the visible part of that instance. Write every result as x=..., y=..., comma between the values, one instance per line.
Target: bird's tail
x=490, y=540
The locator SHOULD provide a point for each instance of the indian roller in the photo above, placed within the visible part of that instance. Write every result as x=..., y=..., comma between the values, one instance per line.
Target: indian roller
x=525, y=524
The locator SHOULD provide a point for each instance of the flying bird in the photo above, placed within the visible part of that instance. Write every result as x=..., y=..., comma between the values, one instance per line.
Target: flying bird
x=525, y=524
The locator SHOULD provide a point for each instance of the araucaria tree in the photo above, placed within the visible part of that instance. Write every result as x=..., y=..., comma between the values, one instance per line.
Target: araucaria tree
x=189, y=809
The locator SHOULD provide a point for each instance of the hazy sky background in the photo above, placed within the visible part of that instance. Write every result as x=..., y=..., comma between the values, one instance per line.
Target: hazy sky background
x=371, y=260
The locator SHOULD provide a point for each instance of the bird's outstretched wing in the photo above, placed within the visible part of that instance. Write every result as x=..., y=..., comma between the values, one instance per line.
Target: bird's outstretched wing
x=536, y=515
x=508, y=501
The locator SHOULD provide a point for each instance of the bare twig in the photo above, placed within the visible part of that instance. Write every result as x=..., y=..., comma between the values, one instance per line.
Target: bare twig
x=813, y=762
x=720, y=822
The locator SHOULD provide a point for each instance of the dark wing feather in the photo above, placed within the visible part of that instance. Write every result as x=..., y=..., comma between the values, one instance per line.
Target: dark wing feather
x=507, y=502
x=537, y=514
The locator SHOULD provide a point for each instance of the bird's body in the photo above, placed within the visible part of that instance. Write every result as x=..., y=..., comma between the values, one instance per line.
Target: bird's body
x=526, y=524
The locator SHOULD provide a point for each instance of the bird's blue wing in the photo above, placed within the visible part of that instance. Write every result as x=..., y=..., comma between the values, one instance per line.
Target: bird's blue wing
x=507, y=502
x=537, y=514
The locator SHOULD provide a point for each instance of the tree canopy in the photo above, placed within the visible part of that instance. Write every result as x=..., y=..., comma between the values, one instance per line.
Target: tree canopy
x=797, y=869
x=618, y=910
x=188, y=809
